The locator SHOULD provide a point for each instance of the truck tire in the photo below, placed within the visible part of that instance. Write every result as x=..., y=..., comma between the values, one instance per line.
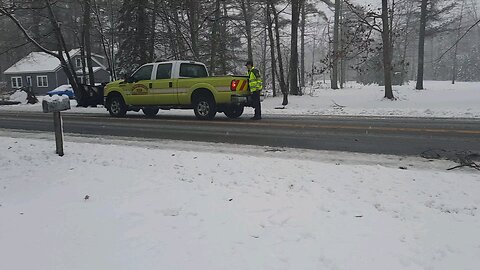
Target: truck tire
x=234, y=111
x=116, y=106
x=204, y=107
x=150, y=111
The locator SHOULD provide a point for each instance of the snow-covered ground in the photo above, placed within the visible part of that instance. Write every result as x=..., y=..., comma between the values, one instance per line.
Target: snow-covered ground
x=440, y=99
x=181, y=205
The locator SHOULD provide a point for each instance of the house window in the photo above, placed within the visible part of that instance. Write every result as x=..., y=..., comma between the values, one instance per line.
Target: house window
x=78, y=62
x=42, y=81
x=17, y=82
x=29, y=80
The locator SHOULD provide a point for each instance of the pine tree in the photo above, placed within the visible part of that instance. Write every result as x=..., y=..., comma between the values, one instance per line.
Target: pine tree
x=133, y=28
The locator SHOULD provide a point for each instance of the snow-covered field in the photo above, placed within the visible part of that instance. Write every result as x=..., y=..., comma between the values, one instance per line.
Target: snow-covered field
x=181, y=205
x=440, y=99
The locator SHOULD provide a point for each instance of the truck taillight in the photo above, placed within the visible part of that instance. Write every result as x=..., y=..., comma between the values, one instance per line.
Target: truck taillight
x=234, y=84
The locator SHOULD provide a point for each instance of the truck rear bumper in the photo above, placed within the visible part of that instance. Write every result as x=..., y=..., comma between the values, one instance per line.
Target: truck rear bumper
x=245, y=100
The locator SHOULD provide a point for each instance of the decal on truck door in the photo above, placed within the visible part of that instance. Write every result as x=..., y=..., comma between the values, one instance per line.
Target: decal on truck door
x=139, y=89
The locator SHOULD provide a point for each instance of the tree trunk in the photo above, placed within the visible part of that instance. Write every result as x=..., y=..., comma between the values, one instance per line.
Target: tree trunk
x=192, y=14
x=283, y=86
x=294, y=89
x=179, y=44
x=34, y=15
x=88, y=46
x=151, y=47
x=335, y=56
x=223, y=50
x=104, y=41
x=67, y=64
x=214, y=38
x=313, y=59
x=342, y=35
x=455, y=52
x=113, y=41
x=272, y=48
x=421, y=44
x=302, y=47
x=247, y=16
x=264, y=58
x=387, y=51
x=405, y=46
x=83, y=59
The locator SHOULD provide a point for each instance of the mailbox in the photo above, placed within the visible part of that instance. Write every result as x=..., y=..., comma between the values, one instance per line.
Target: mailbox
x=55, y=104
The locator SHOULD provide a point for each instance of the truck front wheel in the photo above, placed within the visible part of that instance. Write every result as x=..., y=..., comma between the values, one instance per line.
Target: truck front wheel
x=116, y=106
x=234, y=111
x=204, y=107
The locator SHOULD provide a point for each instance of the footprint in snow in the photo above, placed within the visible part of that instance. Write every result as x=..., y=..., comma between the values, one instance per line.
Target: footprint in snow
x=171, y=212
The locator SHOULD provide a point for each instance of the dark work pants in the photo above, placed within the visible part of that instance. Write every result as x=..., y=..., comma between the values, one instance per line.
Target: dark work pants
x=256, y=103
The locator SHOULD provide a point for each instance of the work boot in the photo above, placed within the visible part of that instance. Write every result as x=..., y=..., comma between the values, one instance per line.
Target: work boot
x=256, y=117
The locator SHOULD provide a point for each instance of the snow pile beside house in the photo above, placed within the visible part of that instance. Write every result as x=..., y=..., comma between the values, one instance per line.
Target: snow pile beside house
x=19, y=96
x=159, y=205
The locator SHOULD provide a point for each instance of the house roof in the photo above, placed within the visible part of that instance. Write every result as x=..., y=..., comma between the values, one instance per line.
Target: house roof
x=37, y=62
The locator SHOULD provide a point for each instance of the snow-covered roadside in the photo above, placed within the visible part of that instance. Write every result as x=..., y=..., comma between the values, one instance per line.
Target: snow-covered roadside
x=186, y=205
x=440, y=99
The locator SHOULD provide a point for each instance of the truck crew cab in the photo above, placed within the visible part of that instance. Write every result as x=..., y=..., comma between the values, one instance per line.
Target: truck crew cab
x=177, y=85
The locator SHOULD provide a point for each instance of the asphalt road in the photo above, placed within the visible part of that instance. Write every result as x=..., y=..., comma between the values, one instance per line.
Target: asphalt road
x=400, y=136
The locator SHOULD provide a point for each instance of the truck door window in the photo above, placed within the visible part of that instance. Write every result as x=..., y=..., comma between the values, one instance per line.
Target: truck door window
x=192, y=70
x=164, y=71
x=144, y=73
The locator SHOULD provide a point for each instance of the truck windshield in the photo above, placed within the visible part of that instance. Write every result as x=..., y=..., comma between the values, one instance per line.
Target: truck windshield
x=144, y=73
x=192, y=70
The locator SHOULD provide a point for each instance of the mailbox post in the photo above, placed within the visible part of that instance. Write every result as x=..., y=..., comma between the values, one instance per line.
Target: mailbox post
x=55, y=105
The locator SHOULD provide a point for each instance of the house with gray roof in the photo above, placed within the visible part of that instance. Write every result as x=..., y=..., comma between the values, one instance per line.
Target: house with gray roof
x=43, y=72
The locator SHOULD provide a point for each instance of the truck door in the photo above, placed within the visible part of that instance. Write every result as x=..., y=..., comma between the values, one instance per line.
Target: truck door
x=188, y=76
x=137, y=92
x=164, y=87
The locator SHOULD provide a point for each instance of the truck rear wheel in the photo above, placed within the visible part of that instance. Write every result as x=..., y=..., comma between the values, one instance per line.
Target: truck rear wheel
x=234, y=111
x=204, y=107
x=116, y=106
x=150, y=112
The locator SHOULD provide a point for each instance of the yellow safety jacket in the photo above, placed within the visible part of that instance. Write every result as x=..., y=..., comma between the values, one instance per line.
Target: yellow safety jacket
x=254, y=80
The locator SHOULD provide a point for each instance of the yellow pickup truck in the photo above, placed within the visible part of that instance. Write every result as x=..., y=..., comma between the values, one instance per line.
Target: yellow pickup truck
x=177, y=85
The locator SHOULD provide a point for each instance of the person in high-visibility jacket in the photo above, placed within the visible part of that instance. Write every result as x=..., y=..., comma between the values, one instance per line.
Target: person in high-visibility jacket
x=255, y=84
